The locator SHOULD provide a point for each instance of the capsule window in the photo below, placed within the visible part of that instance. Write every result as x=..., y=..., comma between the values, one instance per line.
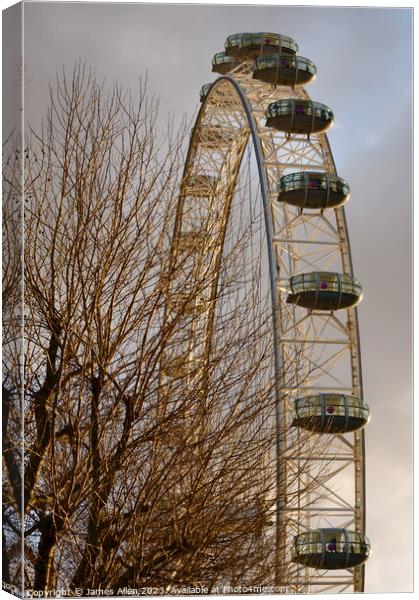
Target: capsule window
x=355, y=542
x=335, y=541
x=317, y=404
x=362, y=544
x=288, y=185
x=303, y=109
x=316, y=548
x=329, y=282
x=322, y=111
x=221, y=58
x=290, y=62
x=314, y=536
x=364, y=411
x=306, y=282
x=309, y=406
x=303, y=409
x=317, y=182
x=309, y=543
x=356, y=408
x=354, y=536
x=353, y=402
x=361, y=412
x=297, y=286
x=250, y=39
x=325, y=112
x=355, y=548
x=334, y=410
x=302, y=546
x=324, y=282
x=347, y=287
x=334, y=406
x=336, y=185
x=298, y=178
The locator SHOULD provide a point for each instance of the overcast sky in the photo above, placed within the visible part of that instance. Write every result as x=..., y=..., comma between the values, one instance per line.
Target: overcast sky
x=364, y=62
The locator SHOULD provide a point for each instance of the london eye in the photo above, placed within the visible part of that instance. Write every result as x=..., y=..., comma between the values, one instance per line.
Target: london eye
x=258, y=135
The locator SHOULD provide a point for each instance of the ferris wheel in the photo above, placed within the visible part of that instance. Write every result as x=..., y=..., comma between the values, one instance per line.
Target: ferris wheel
x=258, y=112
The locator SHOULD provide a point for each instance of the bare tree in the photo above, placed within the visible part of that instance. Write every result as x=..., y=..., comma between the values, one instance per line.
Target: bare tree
x=139, y=470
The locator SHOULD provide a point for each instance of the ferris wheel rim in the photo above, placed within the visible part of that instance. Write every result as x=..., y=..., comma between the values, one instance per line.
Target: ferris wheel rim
x=245, y=104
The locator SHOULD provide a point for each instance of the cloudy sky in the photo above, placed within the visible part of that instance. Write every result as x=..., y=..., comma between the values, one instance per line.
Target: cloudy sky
x=364, y=62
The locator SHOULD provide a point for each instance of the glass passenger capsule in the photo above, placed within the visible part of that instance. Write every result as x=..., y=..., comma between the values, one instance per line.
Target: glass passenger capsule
x=201, y=186
x=324, y=291
x=203, y=92
x=284, y=70
x=313, y=190
x=298, y=116
x=330, y=413
x=251, y=45
x=221, y=63
x=331, y=548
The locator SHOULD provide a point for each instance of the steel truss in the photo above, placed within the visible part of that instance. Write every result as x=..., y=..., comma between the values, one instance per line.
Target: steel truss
x=320, y=478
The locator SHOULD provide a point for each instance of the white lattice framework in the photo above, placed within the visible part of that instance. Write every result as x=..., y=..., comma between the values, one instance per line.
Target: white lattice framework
x=320, y=478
